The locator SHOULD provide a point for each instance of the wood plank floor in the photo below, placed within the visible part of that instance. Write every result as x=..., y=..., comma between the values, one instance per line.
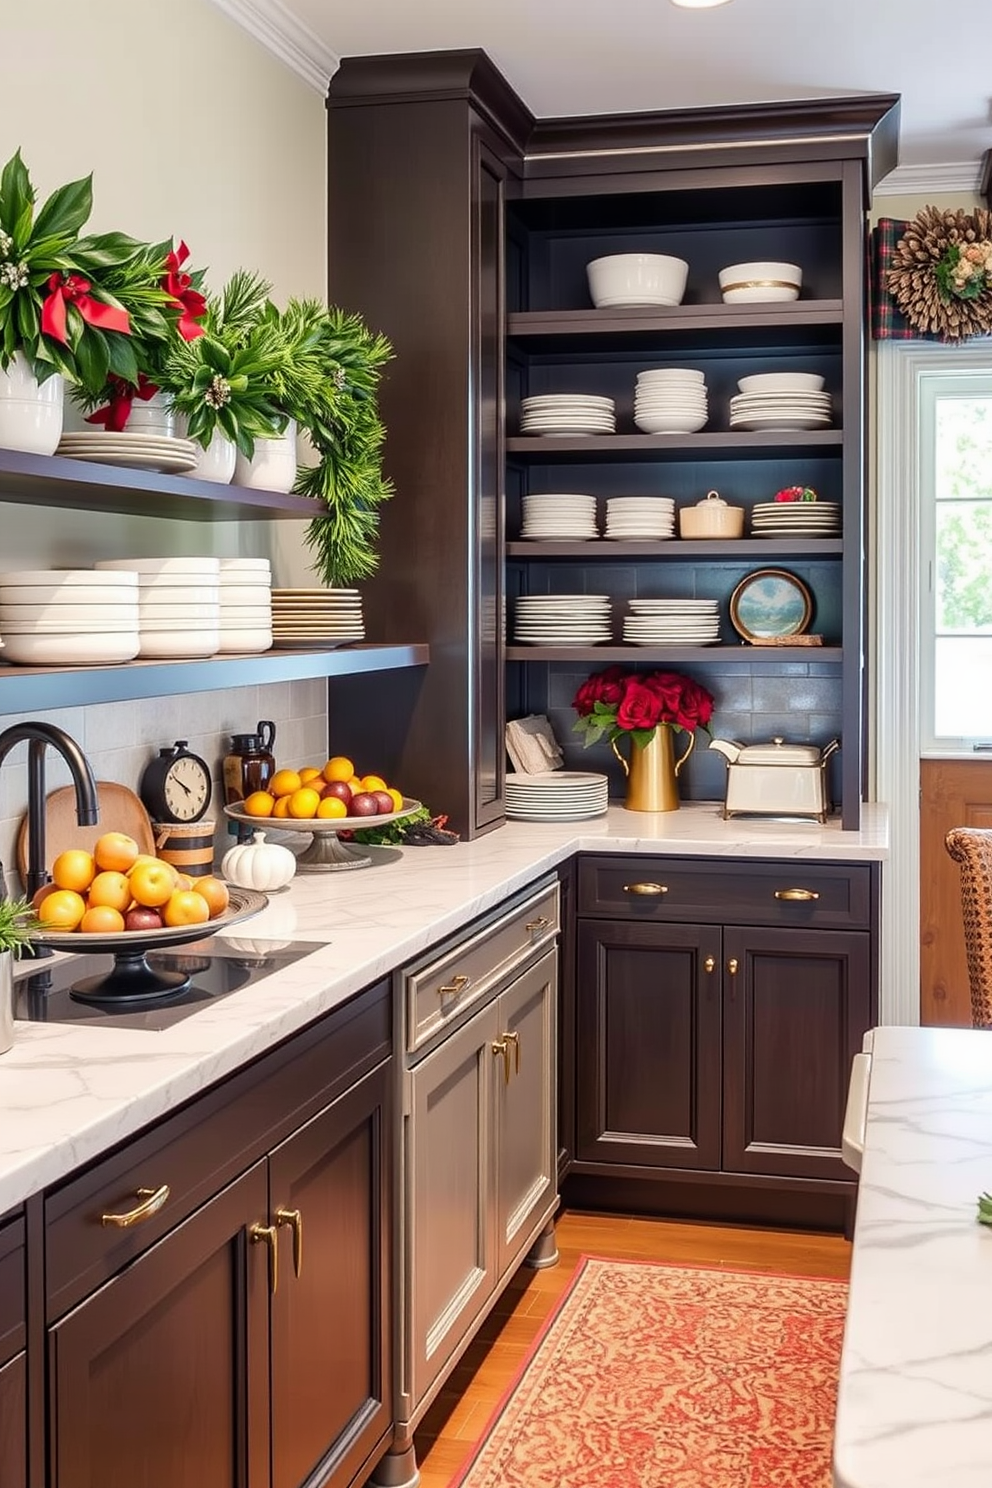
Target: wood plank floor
x=458, y=1417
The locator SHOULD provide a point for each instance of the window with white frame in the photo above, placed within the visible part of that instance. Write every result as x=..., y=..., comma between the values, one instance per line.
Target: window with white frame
x=955, y=474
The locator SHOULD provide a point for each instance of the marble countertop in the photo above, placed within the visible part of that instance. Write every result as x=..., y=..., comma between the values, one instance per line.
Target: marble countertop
x=915, y=1395
x=68, y=1092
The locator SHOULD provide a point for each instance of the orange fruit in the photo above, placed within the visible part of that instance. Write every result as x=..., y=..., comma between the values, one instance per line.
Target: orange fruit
x=339, y=767
x=281, y=808
x=259, y=803
x=397, y=797
x=102, y=919
x=74, y=869
x=152, y=883
x=356, y=785
x=110, y=889
x=303, y=803
x=214, y=892
x=63, y=909
x=284, y=783
x=183, y=880
x=115, y=852
x=308, y=773
x=185, y=907
x=331, y=806
x=373, y=783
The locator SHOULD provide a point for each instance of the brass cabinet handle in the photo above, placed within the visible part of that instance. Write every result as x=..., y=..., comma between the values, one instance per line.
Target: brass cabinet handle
x=733, y=966
x=514, y=1039
x=452, y=988
x=501, y=1046
x=534, y=927
x=294, y=1218
x=797, y=896
x=152, y=1201
x=648, y=889
x=260, y=1234
x=709, y=964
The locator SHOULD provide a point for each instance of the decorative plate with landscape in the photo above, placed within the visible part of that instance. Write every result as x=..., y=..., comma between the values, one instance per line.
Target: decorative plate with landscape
x=770, y=602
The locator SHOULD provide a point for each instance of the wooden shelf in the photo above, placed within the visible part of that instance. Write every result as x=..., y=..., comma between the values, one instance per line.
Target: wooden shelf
x=52, y=480
x=677, y=549
x=795, y=323
x=27, y=687
x=745, y=655
x=773, y=445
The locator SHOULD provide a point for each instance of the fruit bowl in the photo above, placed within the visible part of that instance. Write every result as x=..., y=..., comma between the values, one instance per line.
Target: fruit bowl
x=325, y=851
x=131, y=976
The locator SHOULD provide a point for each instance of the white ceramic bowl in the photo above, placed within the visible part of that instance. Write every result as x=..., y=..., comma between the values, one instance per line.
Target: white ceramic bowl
x=244, y=594
x=68, y=578
x=209, y=567
x=246, y=565
x=235, y=617
x=670, y=423
x=623, y=279
x=69, y=594
x=68, y=616
x=671, y=374
x=749, y=283
x=175, y=645
x=250, y=638
x=57, y=649
x=165, y=614
x=178, y=594
x=781, y=382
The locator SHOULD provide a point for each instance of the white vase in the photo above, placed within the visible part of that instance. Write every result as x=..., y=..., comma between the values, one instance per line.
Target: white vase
x=30, y=414
x=273, y=465
x=6, y=1000
x=152, y=416
x=217, y=461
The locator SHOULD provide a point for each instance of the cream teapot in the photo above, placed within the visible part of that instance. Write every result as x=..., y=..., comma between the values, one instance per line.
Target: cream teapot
x=776, y=779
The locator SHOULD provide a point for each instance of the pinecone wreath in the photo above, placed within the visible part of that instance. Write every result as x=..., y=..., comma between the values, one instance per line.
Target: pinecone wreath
x=941, y=273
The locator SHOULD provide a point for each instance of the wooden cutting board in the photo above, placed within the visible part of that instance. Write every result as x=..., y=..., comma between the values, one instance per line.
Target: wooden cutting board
x=120, y=811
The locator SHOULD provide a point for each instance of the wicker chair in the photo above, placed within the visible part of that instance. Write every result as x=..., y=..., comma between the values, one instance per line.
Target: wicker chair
x=971, y=849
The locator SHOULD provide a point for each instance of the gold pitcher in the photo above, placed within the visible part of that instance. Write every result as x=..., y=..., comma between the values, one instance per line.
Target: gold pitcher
x=652, y=774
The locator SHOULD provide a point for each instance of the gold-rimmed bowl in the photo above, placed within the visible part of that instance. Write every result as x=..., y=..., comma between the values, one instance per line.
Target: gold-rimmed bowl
x=750, y=283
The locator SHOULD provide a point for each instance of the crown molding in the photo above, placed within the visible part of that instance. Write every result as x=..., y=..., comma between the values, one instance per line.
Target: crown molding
x=926, y=180
x=286, y=38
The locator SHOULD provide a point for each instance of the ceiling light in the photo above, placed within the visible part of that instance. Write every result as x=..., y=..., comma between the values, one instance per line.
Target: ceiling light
x=699, y=4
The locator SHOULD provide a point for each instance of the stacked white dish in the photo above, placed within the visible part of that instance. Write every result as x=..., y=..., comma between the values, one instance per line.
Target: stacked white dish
x=672, y=622
x=245, y=604
x=750, y=283
x=551, y=517
x=52, y=617
x=633, y=518
x=781, y=400
x=796, y=518
x=556, y=795
x=670, y=400
x=178, y=605
x=322, y=618
x=161, y=452
x=563, y=619
x=567, y=413
x=624, y=280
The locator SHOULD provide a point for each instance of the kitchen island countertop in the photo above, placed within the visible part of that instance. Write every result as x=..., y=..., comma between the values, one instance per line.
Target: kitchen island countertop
x=68, y=1093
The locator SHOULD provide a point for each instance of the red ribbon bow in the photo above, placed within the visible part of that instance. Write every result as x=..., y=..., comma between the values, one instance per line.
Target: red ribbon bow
x=192, y=304
x=117, y=412
x=73, y=289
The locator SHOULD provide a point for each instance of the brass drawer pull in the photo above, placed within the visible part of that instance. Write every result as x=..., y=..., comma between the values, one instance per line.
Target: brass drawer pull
x=452, y=988
x=648, y=889
x=733, y=966
x=514, y=1039
x=534, y=927
x=152, y=1201
x=709, y=964
x=294, y=1218
x=500, y=1047
x=797, y=896
x=268, y=1235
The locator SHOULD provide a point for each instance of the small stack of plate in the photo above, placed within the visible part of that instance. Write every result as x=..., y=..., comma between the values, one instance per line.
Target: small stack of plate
x=672, y=622
x=178, y=605
x=795, y=519
x=632, y=518
x=567, y=413
x=322, y=618
x=245, y=604
x=670, y=400
x=559, y=518
x=563, y=620
x=52, y=617
x=556, y=795
x=161, y=452
x=781, y=400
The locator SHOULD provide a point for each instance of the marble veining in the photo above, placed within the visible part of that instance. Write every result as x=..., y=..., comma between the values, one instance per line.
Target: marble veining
x=68, y=1093
x=915, y=1394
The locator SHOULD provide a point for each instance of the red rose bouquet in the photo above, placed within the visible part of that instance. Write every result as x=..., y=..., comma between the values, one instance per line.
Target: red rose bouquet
x=618, y=702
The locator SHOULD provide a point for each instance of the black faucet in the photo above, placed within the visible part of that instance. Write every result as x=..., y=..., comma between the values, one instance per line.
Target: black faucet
x=41, y=736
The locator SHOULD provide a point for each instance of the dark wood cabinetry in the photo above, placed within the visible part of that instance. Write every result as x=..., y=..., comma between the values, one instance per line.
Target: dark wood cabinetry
x=13, y=1357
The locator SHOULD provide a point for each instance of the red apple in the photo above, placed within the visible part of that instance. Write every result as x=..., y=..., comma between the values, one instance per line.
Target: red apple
x=141, y=917
x=363, y=803
x=383, y=802
x=339, y=788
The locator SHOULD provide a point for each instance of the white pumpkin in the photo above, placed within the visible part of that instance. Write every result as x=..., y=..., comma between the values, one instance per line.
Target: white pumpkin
x=259, y=864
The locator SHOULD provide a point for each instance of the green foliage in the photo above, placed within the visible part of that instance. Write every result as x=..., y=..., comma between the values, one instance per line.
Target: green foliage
x=984, y=1215
x=964, y=515
x=18, y=924
x=949, y=288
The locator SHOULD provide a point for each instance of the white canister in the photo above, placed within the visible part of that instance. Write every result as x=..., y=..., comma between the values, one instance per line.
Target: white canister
x=31, y=413
x=216, y=462
x=152, y=416
x=273, y=465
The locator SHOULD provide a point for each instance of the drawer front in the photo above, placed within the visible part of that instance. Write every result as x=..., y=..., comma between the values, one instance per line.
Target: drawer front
x=439, y=990
x=727, y=891
x=12, y=1289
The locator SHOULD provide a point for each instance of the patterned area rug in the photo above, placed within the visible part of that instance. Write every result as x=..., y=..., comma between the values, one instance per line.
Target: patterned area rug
x=656, y=1376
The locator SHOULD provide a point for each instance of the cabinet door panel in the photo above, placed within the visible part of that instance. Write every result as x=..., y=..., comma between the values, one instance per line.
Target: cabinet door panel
x=525, y=1121
x=330, y=1336
x=161, y=1377
x=648, y=1038
x=794, y=1019
x=13, y=1423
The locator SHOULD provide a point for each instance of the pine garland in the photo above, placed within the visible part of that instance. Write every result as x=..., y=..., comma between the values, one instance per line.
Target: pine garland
x=941, y=273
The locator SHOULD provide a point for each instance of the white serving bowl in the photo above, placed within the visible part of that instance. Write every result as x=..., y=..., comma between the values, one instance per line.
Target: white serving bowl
x=623, y=279
x=671, y=374
x=245, y=638
x=669, y=423
x=235, y=616
x=175, y=645
x=246, y=565
x=58, y=649
x=748, y=283
x=208, y=567
x=781, y=382
x=196, y=592
x=67, y=578
x=165, y=614
x=244, y=594
x=68, y=616
x=69, y=594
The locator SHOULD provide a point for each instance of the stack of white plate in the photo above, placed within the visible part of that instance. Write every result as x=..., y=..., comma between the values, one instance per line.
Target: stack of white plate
x=563, y=619
x=245, y=604
x=631, y=518
x=796, y=519
x=162, y=452
x=567, y=413
x=178, y=605
x=52, y=617
x=322, y=618
x=559, y=518
x=672, y=622
x=781, y=400
x=670, y=400
x=556, y=795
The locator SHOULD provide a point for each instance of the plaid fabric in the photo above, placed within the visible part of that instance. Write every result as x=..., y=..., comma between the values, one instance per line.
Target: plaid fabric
x=885, y=318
